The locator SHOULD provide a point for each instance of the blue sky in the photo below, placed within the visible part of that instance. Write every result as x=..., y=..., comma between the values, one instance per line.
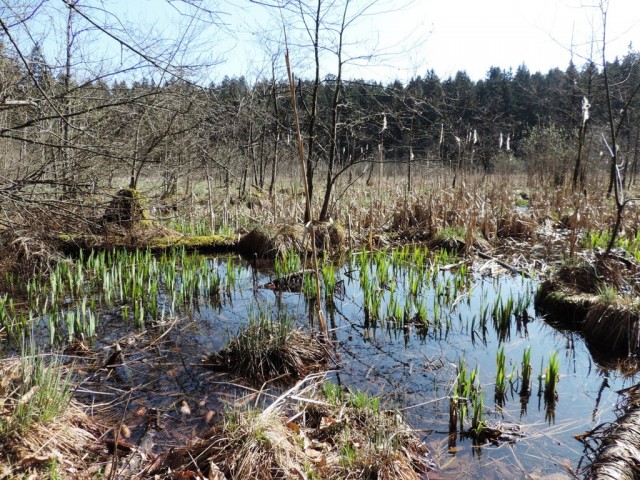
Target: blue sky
x=443, y=35
x=471, y=35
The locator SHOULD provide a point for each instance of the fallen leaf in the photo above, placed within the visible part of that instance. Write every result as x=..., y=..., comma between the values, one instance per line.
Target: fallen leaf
x=184, y=408
x=125, y=431
x=313, y=454
x=214, y=472
x=293, y=426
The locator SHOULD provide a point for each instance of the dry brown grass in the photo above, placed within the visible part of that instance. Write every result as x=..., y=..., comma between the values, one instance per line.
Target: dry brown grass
x=516, y=224
x=306, y=435
x=493, y=203
x=67, y=443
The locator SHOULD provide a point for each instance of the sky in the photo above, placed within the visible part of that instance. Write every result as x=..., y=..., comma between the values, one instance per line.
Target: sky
x=475, y=35
x=472, y=35
x=440, y=35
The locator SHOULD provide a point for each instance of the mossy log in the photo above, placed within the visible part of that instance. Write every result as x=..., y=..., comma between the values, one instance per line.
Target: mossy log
x=153, y=239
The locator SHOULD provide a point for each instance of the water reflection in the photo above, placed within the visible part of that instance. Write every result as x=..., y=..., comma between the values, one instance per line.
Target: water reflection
x=399, y=328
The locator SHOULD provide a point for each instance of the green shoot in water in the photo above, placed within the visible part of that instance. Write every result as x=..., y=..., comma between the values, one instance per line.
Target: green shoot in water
x=526, y=372
x=552, y=375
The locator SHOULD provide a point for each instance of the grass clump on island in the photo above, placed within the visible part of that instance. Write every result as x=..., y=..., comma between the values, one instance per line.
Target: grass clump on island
x=270, y=349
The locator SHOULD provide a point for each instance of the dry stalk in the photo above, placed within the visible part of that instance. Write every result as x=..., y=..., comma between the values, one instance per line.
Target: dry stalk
x=321, y=318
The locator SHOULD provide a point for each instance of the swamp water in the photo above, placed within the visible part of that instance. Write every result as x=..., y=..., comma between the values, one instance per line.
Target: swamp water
x=402, y=324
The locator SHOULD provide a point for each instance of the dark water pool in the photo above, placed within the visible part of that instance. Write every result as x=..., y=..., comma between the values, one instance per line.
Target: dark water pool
x=413, y=368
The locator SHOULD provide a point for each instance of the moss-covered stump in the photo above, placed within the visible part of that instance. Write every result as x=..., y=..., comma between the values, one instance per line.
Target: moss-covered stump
x=592, y=298
x=128, y=208
x=618, y=456
x=272, y=241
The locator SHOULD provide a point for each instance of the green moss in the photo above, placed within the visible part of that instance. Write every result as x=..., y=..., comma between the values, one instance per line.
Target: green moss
x=129, y=208
x=73, y=243
x=202, y=241
x=66, y=237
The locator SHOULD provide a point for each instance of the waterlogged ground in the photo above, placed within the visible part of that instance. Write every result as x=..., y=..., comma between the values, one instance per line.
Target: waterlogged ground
x=401, y=323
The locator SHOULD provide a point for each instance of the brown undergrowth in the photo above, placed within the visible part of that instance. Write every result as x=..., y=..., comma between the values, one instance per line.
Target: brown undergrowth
x=486, y=210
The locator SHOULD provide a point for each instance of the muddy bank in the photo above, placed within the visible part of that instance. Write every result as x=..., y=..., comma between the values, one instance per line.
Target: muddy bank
x=596, y=297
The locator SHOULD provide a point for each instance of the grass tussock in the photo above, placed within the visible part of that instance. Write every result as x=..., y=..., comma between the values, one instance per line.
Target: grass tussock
x=269, y=349
x=277, y=240
x=582, y=277
x=251, y=444
x=457, y=240
x=319, y=435
x=362, y=441
x=42, y=431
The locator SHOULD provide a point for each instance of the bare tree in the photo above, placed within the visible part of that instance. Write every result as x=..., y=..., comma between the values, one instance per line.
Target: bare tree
x=61, y=116
x=617, y=163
